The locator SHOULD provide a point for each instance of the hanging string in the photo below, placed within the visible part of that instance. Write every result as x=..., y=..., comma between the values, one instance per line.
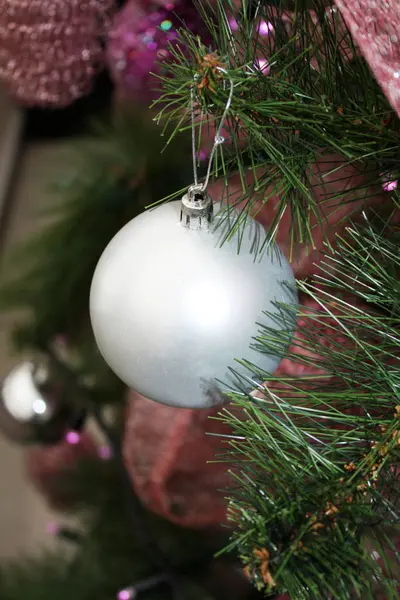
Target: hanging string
x=218, y=139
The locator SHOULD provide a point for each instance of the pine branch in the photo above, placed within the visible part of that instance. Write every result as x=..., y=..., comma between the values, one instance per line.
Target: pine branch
x=318, y=99
x=317, y=457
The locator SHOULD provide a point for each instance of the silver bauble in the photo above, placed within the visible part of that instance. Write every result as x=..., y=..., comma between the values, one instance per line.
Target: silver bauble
x=172, y=308
x=33, y=404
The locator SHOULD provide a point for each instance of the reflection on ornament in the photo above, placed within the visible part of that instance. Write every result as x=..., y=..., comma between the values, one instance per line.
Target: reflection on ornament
x=33, y=404
x=22, y=399
x=172, y=308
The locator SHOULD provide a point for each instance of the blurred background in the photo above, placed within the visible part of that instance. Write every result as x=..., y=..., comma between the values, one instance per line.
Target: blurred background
x=63, y=90
x=27, y=167
x=36, y=149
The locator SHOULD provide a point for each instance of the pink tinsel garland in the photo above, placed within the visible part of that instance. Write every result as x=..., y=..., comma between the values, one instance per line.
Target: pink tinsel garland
x=375, y=27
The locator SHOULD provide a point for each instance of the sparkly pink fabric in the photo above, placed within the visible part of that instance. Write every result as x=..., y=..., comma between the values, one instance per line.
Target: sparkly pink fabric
x=330, y=176
x=46, y=466
x=50, y=50
x=138, y=44
x=166, y=452
x=375, y=27
x=326, y=333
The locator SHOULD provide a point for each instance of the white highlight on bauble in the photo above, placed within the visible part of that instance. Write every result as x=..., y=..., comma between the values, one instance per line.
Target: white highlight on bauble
x=21, y=397
x=172, y=308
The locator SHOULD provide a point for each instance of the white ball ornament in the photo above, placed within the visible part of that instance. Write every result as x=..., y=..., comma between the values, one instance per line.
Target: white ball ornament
x=172, y=307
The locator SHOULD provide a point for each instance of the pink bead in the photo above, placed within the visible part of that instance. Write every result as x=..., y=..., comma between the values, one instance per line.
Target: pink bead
x=52, y=528
x=105, y=452
x=262, y=65
x=389, y=186
x=127, y=594
x=265, y=28
x=72, y=437
x=233, y=24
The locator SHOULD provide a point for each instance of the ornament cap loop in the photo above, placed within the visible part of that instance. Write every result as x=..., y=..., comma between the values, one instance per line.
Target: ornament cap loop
x=196, y=208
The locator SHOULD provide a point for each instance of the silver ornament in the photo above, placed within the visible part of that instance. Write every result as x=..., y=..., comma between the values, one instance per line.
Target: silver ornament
x=33, y=406
x=172, y=306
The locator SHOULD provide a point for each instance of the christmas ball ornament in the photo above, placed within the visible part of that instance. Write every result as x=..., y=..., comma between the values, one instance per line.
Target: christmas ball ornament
x=51, y=50
x=139, y=42
x=175, y=300
x=33, y=405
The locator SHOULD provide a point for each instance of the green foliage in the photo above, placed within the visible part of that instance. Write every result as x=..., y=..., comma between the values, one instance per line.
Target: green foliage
x=315, y=457
x=318, y=456
x=110, y=555
x=120, y=171
x=319, y=99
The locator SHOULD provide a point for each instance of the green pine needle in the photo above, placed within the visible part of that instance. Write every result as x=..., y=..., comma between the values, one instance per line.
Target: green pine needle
x=315, y=102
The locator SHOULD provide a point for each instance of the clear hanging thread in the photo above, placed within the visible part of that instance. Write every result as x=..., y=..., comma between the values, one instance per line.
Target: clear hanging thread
x=197, y=206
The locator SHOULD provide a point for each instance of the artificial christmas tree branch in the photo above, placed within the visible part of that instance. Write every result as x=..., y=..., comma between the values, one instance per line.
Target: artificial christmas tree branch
x=308, y=104
x=315, y=455
x=318, y=456
x=169, y=575
x=149, y=546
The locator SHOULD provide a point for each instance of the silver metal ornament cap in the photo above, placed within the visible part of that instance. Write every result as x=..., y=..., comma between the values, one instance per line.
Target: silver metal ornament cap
x=197, y=208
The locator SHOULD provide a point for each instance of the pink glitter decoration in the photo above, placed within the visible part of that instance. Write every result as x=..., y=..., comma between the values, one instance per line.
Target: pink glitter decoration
x=52, y=528
x=389, y=186
x=202, y=155
x=61, y=340
x=265, y=28
x=105, y=452
x=51, y=49
x=127, y=594
x=167, y=452
x=262, y=65
x=138, y=45
x=46, y=466
x=375, y=27
x=72, y=437
x=234, y=25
